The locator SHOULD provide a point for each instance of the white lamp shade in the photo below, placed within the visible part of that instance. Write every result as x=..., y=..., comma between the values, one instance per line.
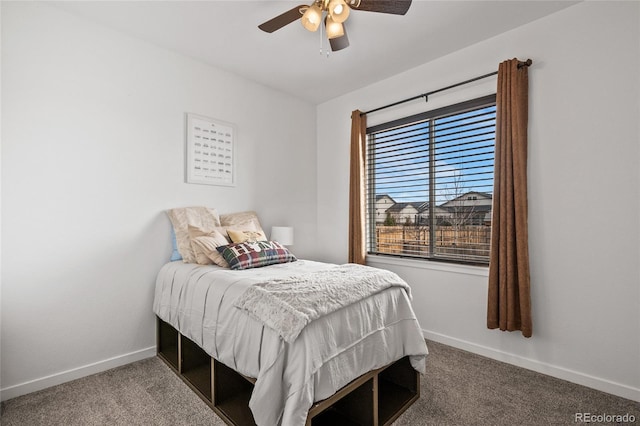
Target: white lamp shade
x=282, y=234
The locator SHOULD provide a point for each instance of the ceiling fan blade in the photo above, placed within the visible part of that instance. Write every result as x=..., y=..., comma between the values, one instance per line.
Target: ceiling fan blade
x=394, y=7
x=341, y=42
x=281, y=20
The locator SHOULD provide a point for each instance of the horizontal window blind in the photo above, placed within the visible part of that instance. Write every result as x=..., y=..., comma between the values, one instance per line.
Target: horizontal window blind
x=430, y=183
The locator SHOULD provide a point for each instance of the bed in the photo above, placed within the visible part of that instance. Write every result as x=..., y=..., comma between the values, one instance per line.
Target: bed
x=295, y=368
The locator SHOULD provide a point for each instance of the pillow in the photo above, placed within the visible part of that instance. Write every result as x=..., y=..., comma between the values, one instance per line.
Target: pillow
x=205, y=241
x=237, y=229
x=204, y=244
x=181, y=218
x=175, y=254
x=241, y=236
x=255, y=254
x=241, y=218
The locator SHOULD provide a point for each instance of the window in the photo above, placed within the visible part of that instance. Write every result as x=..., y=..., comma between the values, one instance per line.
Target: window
x=430, y=184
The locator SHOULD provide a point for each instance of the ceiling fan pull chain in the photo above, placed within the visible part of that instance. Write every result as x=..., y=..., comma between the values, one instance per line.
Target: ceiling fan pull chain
x=321, y=41
x=322, y=48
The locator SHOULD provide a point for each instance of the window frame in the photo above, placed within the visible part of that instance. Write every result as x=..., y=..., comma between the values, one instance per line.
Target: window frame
x=370, y=209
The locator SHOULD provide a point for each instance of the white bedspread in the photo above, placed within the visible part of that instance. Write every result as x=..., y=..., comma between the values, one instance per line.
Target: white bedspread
x=287, y=305
x=329, y=352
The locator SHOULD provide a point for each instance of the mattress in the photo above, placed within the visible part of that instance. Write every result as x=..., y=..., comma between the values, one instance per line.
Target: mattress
x=330, y=351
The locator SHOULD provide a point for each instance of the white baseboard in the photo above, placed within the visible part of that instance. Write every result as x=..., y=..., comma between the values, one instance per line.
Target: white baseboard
x=600, y=384
x=76, y=373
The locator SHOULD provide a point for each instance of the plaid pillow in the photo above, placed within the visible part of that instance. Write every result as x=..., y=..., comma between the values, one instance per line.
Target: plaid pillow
x=255, y=254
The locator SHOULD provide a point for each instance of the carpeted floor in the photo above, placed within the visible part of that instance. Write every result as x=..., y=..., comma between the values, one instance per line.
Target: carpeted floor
x=460, y=388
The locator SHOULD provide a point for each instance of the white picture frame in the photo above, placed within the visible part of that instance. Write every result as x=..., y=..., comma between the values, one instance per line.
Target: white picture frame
x=210, y=156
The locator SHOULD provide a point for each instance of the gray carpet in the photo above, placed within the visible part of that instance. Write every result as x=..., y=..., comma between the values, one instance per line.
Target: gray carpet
x=460, y=388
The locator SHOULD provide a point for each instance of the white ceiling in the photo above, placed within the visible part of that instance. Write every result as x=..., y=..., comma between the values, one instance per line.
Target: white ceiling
x=225, y=34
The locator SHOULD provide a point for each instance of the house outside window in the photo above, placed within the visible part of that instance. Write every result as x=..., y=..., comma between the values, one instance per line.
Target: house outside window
x=430, y=184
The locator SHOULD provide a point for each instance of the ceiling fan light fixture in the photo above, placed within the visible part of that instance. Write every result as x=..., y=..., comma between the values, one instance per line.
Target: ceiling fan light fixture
x=338, y=10
x=334, y=13
x=312, y=17
x=334, y=29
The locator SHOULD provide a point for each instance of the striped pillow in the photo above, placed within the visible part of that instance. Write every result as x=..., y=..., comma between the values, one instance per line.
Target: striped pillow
x=255, y=254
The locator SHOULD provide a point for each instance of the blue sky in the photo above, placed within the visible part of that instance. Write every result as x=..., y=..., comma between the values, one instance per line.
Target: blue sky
x=463, y=157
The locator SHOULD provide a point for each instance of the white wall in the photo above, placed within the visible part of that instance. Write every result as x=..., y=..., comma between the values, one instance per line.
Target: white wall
x=584, y=190
x=92, y=155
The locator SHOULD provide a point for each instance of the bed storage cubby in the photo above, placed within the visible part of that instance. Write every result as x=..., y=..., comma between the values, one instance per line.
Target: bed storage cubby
x=398, y=388
x=196, y=367
x=232, y=392
x=352, y=405
x=376, y=398
x=168, y=344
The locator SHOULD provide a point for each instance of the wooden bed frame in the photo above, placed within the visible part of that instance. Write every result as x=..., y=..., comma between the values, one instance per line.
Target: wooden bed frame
x=376, y=398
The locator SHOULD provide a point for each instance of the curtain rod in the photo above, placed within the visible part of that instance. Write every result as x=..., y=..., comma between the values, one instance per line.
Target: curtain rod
x=426, y=95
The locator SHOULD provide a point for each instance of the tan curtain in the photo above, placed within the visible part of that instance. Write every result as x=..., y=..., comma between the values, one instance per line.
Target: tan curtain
x=509, y=304
x=357, y=249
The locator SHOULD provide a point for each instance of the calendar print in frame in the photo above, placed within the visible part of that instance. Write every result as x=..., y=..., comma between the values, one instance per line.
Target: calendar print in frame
x=210, y=151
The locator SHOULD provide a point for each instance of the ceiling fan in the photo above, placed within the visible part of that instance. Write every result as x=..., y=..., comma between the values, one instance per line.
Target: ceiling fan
x=335, y=13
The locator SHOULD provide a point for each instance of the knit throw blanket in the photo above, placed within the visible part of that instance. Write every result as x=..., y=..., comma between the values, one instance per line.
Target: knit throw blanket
x=288, y=304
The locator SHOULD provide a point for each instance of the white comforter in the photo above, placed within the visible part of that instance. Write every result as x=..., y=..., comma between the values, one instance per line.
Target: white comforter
x=329, y=353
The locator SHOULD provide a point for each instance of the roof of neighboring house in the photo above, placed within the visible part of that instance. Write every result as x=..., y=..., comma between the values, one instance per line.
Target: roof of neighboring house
x=397, y=207
x=466, y=194
x=381, y=196
x=468, y=209
x=423, y=206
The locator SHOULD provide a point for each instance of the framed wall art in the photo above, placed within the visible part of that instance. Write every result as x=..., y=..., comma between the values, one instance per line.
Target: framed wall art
x=210, y=151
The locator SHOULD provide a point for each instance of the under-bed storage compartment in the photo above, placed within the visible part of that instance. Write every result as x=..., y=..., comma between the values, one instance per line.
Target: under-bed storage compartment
x=374, y=399
x=232, y=392
x=196, y=367
x=398, y=388
x=168, y=344
x=224, y=390
x=352, y=405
